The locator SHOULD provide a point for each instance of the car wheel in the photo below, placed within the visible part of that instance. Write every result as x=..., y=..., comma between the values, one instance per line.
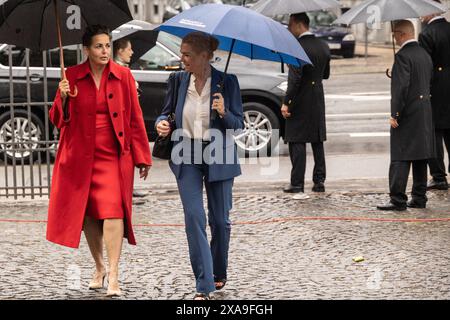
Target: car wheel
x=26, y=137
x=258, y=135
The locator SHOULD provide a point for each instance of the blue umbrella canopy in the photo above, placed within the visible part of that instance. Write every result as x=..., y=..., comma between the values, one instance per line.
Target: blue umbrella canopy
x=241, y=31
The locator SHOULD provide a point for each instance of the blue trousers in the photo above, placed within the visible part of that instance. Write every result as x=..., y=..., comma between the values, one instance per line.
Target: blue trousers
x=209, y=261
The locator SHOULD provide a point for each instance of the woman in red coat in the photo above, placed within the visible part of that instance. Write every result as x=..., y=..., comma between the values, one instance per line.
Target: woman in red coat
x=102, y=139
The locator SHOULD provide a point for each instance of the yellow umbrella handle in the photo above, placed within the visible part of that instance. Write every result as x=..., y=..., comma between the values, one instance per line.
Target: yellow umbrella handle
x=61, y=54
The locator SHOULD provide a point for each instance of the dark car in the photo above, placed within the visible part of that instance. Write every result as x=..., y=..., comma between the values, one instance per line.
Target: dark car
x=339, y=38
x=262, y=88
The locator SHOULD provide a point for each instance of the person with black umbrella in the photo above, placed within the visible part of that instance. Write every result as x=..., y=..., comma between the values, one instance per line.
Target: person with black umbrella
x=435, y=39
x=412, y=138
x=304, y=108
x=103, y=138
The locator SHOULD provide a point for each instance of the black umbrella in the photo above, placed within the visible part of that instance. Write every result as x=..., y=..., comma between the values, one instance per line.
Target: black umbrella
x=141, y=36
x=36, y=24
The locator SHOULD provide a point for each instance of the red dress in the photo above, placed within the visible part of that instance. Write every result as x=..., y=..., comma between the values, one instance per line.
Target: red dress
x=72, y=171
x=105, y=199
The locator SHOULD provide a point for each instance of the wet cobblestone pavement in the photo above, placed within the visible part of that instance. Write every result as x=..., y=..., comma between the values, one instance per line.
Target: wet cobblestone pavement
x=280, y=249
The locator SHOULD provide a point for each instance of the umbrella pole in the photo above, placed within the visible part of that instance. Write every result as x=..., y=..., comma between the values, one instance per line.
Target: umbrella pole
x=282, y=62
x=222, y=83
x=393, y=40
x=228, y=63
x=229, y=55
x=61, y=52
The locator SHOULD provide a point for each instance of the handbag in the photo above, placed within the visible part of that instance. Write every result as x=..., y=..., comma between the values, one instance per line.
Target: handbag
x=163, y=145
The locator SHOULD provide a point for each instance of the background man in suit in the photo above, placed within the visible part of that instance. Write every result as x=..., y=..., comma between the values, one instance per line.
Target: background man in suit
x=435, y=39
x=412, y=137
x=304, y=108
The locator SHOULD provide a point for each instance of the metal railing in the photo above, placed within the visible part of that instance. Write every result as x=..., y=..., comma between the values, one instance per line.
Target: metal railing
x=27, y=149
x=26, y=160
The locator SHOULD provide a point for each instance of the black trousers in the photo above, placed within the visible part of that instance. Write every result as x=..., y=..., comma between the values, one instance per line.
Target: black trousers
x=398, y=179
x=297, y=153
x=437, y=165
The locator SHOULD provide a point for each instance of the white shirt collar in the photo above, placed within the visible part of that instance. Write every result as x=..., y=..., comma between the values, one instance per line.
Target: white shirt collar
x=306, y=33
x=409, y=41
x=436, y=18
x=206, y=89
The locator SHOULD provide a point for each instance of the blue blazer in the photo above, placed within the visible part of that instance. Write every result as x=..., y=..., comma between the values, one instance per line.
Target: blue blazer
x=233, y=119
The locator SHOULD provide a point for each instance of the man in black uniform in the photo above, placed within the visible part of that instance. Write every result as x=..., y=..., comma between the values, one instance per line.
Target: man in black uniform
x=304, y=108
x=412, y=137
x=435, y=39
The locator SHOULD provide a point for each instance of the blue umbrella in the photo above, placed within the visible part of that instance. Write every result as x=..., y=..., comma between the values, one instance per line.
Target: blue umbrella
x=241, y=31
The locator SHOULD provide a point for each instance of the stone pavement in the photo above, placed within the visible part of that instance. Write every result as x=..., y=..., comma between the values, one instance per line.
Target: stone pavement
x=280, y=248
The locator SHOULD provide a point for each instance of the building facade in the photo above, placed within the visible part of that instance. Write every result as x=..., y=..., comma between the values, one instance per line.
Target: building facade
x=148, y=10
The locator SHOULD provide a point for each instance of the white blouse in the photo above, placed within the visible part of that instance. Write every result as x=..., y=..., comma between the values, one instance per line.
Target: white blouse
x=196, y=111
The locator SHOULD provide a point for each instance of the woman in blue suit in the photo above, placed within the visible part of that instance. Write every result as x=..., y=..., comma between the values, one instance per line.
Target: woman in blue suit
x=208, y=110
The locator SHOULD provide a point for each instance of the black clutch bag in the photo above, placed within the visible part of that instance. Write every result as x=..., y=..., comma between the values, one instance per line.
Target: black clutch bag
x=163, y=145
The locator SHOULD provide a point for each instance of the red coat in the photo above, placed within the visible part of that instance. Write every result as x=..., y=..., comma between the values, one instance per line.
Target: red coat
x=73, y=165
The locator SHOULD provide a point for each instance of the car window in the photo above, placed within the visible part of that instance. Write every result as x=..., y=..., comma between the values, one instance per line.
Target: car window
x=321, y=18
x=155, y=59
x=18, y=55
x=170, y=41
x=70, y=57
x=317, y=18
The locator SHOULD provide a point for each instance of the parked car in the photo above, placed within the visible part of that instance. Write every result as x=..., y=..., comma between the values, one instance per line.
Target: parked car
x=262, y=88
x=339, y=38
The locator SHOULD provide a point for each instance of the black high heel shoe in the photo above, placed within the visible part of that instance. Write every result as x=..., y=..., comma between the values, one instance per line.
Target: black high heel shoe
x=220, y=286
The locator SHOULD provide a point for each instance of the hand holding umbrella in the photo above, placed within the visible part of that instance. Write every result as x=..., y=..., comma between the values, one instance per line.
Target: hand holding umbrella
x=61, y=59
x=219, y=104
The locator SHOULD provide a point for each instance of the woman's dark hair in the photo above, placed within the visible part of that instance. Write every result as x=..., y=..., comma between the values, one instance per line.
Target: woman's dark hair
x=121, y=43
x=200, y=42
x=94, y=30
